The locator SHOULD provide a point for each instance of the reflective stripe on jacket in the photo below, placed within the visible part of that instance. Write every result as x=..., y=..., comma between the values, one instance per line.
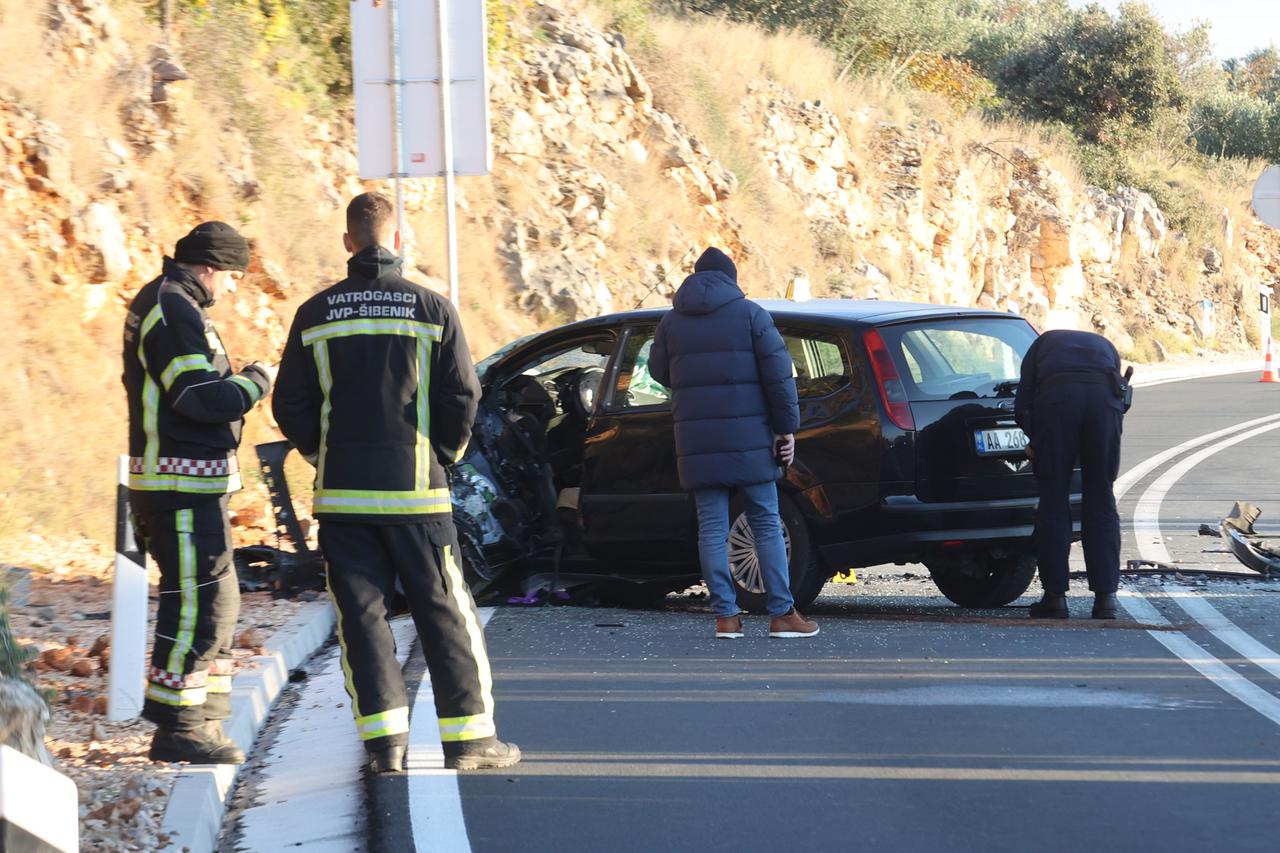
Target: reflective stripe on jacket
x=186, y=408
x=377, y=382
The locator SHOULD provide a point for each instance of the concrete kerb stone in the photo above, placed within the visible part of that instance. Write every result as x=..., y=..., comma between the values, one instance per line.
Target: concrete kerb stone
x=198, y=801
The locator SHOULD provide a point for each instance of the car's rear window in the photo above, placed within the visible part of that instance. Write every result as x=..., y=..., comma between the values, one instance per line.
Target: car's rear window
x=955, y=358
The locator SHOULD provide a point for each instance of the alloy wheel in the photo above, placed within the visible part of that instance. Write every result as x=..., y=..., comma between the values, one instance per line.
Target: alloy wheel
x=744, y=562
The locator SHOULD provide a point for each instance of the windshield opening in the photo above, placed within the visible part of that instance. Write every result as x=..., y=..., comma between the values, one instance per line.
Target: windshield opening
x=483, y=365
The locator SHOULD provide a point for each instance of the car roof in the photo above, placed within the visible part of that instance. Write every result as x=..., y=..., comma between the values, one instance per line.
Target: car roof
x=871, y=311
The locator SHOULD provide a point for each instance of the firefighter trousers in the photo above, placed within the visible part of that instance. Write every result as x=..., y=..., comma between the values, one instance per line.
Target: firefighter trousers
x=362, y=565
x=189, y=680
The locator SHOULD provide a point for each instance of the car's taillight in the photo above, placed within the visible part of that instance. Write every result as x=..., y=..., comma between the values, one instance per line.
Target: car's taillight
x=892, y=391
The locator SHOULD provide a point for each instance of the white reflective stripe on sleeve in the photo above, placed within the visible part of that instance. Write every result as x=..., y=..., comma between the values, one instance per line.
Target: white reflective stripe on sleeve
x=183, y=364
x=250, y=387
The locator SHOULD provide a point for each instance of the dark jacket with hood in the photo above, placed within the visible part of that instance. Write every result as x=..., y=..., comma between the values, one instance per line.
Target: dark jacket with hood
x=377, y=386
x=186, y=407
x=731, y=380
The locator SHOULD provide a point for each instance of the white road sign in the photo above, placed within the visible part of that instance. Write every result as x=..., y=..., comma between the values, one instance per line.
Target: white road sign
x=420, y=62
x=1266, y=196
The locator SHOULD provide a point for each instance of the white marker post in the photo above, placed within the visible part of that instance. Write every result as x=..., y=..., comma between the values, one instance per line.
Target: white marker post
x=128, y=613
x=1264, y=319
x=1265, y=201
x=408, y=125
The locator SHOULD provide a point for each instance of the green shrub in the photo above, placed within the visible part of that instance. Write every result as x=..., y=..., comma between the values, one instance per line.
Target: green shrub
x=1237, y=124
x=13, y=657
x=1108, y=78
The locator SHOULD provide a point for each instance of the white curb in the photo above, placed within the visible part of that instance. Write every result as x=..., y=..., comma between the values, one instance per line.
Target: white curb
x=1147, y=375
x=198, y=801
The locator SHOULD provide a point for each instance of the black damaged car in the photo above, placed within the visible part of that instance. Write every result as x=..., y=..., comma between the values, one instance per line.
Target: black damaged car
x=907, y=453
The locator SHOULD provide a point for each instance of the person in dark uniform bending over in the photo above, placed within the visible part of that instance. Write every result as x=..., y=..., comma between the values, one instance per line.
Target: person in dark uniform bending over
x=377, y=389
x=1070, y=403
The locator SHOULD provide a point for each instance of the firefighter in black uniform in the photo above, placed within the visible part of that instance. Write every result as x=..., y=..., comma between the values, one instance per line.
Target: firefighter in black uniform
x=186, y=410
x=1070, y=402
x=378, y=391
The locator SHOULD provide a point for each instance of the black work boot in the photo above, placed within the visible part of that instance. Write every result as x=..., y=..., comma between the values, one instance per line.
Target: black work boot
x=205, y=745
x=481, y=754
x=1104, y=605
x=1052, y=606
x=387, y=759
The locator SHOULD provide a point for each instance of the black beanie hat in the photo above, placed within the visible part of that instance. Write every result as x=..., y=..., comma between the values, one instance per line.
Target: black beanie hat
x=213, y=244
x=714, y=259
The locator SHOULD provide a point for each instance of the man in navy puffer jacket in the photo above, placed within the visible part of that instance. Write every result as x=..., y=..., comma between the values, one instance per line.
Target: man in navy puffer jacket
x=735, y=412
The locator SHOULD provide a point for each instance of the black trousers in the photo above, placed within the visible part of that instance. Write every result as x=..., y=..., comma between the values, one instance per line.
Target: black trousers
x=189, y=680
x=1078, y=422
x=362, y=564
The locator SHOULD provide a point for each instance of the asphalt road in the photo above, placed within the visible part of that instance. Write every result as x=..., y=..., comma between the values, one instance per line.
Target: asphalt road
x=907, y=724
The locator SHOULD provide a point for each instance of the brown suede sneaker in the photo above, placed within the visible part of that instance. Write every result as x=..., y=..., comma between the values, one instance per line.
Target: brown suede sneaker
x=791, y=626
x=728, y=627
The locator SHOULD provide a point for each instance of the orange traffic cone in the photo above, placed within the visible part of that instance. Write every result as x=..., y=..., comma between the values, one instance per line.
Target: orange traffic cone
x=1268, y=372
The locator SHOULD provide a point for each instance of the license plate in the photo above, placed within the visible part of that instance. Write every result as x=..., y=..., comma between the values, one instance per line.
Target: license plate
x=999, y=442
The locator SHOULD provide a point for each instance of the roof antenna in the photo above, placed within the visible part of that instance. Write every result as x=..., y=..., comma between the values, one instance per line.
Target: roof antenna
x=663, y=280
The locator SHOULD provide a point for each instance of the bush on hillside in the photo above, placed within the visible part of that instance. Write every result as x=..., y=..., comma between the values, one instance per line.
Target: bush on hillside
x=1110, y=79
x=1237, y=124
x=956, y=80
x=305, y=43
x=995, y=29
x=1256, y=74
x=867, y=35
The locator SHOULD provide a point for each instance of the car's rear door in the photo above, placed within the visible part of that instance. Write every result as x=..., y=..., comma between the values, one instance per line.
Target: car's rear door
x=633, y=508
x=959, y=374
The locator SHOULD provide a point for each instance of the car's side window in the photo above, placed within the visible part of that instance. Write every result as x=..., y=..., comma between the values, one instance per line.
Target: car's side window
x=634, y=387
x=822, y=365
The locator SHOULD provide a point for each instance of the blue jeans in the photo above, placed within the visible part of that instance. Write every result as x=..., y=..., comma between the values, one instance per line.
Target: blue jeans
x=771, y=550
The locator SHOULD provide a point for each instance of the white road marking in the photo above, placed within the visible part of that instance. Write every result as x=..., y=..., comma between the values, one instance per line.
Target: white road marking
x=435, y=802
x=1195, y=656
x=1136, y=474
x=1146, y=528
x=1146, y=517
x=1000, y=696
x=310, y=794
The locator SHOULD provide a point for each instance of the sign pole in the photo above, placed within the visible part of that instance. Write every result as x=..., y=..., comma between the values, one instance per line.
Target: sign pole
x=397, y=122
x=446, y=147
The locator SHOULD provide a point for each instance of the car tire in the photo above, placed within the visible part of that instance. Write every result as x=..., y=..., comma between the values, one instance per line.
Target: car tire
x=807, y=577
x=996, y=581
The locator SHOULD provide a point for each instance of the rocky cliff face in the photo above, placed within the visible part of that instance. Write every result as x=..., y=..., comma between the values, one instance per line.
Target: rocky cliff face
x=599, y=201
x=912, y=214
